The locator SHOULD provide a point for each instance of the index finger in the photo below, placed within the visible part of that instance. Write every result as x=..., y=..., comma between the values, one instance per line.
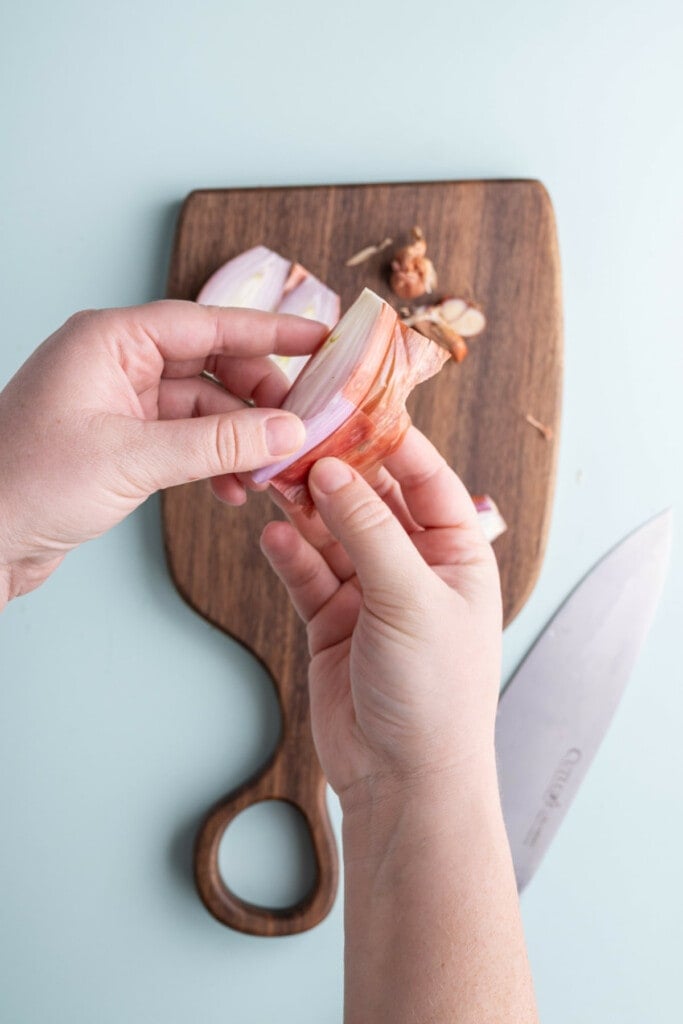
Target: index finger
x=434, y=494
x=186, y=331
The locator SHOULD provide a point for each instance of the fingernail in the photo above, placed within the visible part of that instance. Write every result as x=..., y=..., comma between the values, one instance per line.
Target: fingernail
x=331, y=475
x=284, y=434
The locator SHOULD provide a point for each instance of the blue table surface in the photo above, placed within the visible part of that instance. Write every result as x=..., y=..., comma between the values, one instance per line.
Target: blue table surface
x=122, y=714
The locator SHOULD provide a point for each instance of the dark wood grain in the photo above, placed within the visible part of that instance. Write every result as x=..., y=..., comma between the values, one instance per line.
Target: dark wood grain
x=492, y=240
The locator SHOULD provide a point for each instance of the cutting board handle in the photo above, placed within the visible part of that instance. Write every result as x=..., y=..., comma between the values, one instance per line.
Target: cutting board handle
x=279, y=780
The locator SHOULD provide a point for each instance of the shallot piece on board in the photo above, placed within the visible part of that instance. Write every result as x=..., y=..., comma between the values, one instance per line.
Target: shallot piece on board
x=448, y=323
x=313, y=300
x=490, y=519
x=412, y=273
x=351, y=394
x=367, y=253
x=255, y=279
x=262, y=279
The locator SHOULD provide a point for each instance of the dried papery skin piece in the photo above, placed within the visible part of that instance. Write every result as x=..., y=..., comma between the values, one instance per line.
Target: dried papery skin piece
x=297, y=274
x=412, y=273
x=443, y=334
x=448, y=323
x=467, y=319
x=450, y=309
x=361, y=387
x=368, y=252
x=545, y=431
x=463, y=317
x=490, y=519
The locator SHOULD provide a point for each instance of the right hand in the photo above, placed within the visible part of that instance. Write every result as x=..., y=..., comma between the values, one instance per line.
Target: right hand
x=113, y=407
x=401, y=598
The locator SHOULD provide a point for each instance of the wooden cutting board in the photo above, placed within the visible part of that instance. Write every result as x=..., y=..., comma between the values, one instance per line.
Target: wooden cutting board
x=493, y=241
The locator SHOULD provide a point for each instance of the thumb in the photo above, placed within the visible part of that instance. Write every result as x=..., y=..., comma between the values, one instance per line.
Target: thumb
x=170, y=452
x=383, y=555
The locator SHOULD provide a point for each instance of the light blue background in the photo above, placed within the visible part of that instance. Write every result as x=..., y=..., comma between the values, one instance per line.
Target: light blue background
x=122, y=715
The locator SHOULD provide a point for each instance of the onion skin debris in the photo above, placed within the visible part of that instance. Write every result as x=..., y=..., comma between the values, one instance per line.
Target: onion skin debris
x=412, y=273
x=448, y=323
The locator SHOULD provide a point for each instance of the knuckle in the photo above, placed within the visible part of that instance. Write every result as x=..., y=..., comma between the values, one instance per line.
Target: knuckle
x=368, y=515
x=303, y=576
x=385, y=486
x=425, y=476
x=227, y=447
x=83, y=318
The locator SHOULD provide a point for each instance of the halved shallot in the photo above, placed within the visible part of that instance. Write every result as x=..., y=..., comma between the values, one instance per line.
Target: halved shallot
x=490, y=519
x=351, y=395
x=262, y=279
x=315, y=301
x=255, y=279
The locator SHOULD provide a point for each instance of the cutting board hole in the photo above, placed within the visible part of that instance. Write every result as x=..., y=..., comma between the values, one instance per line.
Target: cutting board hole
x=266, y=855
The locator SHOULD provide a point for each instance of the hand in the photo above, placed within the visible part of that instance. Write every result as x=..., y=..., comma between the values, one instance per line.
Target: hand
x=401, y=598
x=400, y=593
x=112, y=407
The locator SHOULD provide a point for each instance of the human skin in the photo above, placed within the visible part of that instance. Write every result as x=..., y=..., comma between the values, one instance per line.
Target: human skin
x=112, y=407
x=400, y=594
x=401, y=598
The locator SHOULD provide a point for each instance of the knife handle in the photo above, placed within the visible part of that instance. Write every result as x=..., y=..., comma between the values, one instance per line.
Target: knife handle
x=283, y=778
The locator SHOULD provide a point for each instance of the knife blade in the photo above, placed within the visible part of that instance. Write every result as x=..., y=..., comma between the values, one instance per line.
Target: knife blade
x=556, y=709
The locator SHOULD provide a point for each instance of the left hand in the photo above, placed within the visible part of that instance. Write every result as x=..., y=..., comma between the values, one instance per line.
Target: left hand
x=400, y=593
x=112, y=407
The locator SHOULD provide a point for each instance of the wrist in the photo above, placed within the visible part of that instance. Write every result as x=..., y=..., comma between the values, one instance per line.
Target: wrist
x=392, y=813
x=23, y=566
x=431, y=912
x=25, y=573
x=22, y=577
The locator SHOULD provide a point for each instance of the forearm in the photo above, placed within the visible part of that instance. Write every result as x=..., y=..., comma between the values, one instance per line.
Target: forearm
x=433, y=930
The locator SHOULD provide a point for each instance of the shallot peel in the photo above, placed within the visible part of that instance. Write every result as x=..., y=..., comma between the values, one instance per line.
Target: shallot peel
x=351, y=394
x=262, y=279
x=448, y=323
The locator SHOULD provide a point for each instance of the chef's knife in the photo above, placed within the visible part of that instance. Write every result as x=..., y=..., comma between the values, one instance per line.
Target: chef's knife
x=556, y=709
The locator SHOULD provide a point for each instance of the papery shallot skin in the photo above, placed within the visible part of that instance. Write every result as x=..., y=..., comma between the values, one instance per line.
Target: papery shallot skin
x=379, y=422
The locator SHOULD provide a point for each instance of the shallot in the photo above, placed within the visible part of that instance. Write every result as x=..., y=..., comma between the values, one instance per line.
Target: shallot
x=351, y=394
x=262, y=279
x=490, y=519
